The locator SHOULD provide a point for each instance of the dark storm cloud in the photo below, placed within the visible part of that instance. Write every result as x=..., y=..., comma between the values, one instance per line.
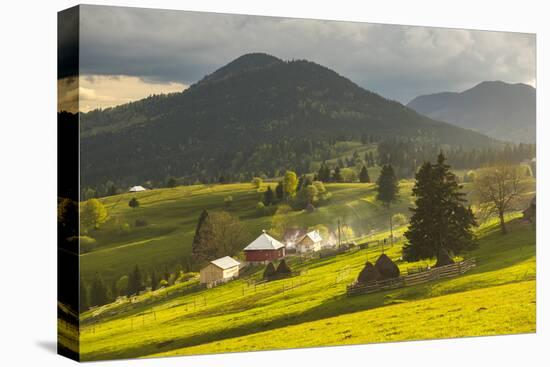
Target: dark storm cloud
x=67, y=43
x=398, y=62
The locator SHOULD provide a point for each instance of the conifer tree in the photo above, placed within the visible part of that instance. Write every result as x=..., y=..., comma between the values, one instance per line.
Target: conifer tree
x=387, y=186
x=337, y=176
x=203, y=248
x=269, y=196
x=279, y=191
x=440, y=220
x=98, y=292
x=154, y=280
x=135, y=282
x=364, y=175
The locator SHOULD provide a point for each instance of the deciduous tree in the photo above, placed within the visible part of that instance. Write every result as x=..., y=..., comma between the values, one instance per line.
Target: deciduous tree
x=498, y=189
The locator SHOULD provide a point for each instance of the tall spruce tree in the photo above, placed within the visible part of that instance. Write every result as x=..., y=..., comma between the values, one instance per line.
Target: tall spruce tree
x=269, y=196
x=98, y=291
x=203, y=248
x=324, y=173
x=279, y=190
x=441, y=221
x=337, y=175
x=154, y=280
x=387, y=186
x=135, y=282
x=364, y=175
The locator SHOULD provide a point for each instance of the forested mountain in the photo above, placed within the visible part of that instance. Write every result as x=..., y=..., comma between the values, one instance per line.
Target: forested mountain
x=258, y=114
x=501, y=110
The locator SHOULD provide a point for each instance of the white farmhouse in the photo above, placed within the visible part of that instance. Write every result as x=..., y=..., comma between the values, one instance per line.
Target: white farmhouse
x=311, y=242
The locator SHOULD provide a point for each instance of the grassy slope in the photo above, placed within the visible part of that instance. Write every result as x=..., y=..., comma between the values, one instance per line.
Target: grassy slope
x=236, y=311
x=478, y=312
x=172, y=215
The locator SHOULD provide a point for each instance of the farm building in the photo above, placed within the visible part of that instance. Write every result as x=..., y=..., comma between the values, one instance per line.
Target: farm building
x=311, y=242
x=292, y=236
x=264, y=249
x=219, y=271
x=137, y=189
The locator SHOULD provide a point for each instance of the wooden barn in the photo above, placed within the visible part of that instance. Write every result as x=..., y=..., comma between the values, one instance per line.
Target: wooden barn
x=311, y=242
x=264, y=249
x=219, y=271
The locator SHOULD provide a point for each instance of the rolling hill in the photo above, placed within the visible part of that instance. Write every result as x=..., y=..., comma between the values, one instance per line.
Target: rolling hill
x=497, y=297
x=501, y=110
x=257, y=114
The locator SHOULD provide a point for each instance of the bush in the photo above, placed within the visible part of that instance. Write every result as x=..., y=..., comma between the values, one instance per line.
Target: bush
x=163, y=283
x=140, y=222
x=228, y=200
x=470, y=176
x=133, y=203
x=348, y=175
x=399, y=219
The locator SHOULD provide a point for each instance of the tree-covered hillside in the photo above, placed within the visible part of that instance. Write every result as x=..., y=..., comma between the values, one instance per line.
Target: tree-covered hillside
x=257, y=115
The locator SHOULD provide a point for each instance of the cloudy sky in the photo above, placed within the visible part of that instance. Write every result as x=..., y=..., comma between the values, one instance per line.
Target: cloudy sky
x=128, y=53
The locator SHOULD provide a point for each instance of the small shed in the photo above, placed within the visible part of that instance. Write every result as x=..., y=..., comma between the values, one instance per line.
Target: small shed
x=137, y=189
x=264, y=249
x=219, y=271
x=311, y=242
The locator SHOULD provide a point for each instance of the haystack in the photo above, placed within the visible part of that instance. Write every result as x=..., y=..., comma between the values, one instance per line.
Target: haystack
x=283, y=268
x=386, y=267
x=443, y=258
x=269, y=271
x=368, y=274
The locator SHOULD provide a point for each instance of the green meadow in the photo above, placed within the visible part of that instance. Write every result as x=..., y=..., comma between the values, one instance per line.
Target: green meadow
x=172, y=216
x=497, y=296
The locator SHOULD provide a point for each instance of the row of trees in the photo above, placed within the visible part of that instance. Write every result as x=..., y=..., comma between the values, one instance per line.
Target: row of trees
x=325, y=174
x=407, y=154
x=98, y=292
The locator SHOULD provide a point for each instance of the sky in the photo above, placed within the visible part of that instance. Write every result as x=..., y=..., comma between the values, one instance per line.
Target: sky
x=130, y=53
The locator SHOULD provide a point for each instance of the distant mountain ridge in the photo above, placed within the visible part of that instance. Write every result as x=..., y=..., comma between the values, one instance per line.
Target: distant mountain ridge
x=256, y=115
x=501, y=110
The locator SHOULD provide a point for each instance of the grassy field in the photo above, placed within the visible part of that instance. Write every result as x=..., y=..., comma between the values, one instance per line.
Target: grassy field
x=498, y=296
x=172, y=216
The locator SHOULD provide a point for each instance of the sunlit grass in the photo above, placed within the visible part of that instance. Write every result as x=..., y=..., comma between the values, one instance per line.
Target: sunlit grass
x=195, y=322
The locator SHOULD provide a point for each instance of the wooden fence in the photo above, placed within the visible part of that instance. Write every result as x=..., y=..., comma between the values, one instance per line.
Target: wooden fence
x=447, y=271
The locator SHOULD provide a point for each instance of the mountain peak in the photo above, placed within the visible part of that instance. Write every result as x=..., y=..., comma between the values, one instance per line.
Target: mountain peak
x=505, y=111
x=493, y=84
x=244, y=63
